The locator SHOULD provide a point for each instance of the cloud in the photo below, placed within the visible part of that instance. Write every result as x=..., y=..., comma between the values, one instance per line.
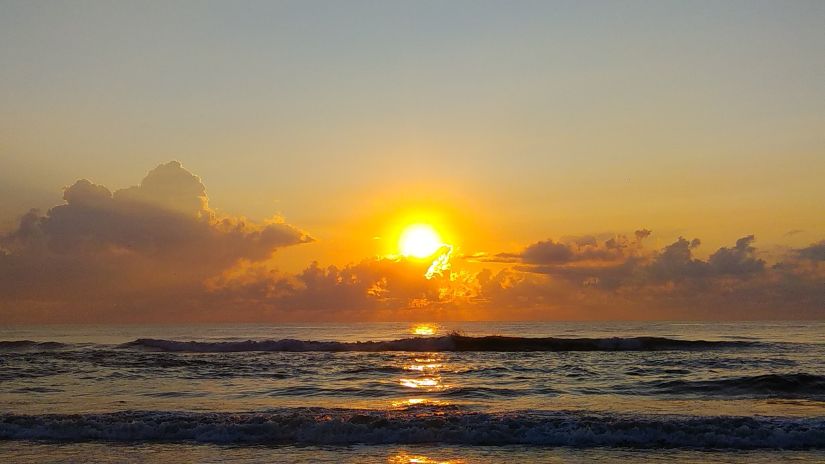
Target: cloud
x=613, y=279
x=169, y=187
x=372, y=289
x=157, y=252
x=547, y=252
x=814, y=252
x=733, y=282
x=574, y=249
x=739, y=260
x=157, y=237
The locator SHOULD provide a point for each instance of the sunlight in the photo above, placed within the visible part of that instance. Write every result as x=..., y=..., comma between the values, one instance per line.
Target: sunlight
x=423, y=329
x=419, y=241
x=422, y=238
x=404, y=458
x=426, y=382
x=413, y=402
x=423, y=367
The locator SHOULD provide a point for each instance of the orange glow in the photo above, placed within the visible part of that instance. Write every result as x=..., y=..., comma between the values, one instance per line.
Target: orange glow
x=416, y=402
x=425, y=382
x=423, y=367
x=422, y=235
x=404, y=458
x=424, y=329
x=409, y=402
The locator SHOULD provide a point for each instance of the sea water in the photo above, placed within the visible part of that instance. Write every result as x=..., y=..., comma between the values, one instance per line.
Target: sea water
x=400, y=392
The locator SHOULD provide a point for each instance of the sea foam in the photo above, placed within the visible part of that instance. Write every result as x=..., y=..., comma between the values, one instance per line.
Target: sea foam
x=317, y=426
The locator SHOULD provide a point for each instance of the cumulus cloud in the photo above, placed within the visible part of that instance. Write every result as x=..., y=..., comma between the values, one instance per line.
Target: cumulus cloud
x=672, y=282
x=157, y=252
x=160, y=235
x=615, y=278
x=739, y=260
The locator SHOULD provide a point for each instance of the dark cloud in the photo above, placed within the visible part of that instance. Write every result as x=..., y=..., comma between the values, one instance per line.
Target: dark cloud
x=739, y=260
x=373, y=289
x=814, y=252
x=571, y=249
x=632, y=282
x=675, y=262
x=547, y=252
x=627, y=262
x=733, y=282
x=157, y=252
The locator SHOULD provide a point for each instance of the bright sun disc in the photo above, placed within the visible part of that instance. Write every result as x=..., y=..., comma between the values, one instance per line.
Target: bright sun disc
x=419, y=241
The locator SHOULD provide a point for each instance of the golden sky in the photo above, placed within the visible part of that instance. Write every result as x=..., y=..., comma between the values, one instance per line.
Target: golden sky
x=309, y=135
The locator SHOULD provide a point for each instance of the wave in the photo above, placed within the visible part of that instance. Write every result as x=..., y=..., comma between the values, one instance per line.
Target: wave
x=445, y=343
x=801, y=384
x=14, y=345
x=316, y=426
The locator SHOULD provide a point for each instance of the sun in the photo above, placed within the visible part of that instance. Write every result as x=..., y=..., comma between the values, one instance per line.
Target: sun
x=419, y=241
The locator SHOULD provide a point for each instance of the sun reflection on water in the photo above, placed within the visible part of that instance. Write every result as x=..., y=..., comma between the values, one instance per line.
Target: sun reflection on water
x=426, y=382
x=424, y=367
x=424, y=329
x=412, y=402
x=404, y=458
x=425, y=376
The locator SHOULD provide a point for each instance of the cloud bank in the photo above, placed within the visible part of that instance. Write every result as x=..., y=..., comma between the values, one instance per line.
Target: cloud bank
x=127, y=254
x=157, y=252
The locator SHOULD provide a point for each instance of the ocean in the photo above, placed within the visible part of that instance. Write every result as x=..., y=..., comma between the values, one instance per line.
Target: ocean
x=458, y=392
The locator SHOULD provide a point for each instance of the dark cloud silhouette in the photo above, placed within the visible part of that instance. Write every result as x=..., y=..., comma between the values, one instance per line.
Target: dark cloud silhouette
x=675, y=262
x=547, y=252
x=814, y=252
x=733, y=282
x=586, y=248
x=373, y=289
x=157, y=252
x=671, y=282
x=739, y=260
x=628, y=262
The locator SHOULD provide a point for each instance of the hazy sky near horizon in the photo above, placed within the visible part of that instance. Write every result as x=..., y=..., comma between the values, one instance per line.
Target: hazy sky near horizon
x=513, y=122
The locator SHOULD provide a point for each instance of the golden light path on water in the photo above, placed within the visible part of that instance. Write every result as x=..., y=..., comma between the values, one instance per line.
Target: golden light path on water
x=404, y=458
x=424, y=329
x=428, y=367
x=430, y=379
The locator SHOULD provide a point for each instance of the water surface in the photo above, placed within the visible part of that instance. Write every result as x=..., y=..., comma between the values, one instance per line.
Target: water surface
x=461, y=392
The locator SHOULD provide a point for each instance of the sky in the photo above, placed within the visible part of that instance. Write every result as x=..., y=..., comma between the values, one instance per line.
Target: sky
x=568, y=154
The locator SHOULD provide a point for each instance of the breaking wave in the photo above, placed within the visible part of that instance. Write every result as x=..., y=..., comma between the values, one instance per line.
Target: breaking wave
x=801, y=384
x=445, y=343
x=316, y=426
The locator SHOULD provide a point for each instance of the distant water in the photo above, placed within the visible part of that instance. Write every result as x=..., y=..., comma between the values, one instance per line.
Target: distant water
x=460, y=392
